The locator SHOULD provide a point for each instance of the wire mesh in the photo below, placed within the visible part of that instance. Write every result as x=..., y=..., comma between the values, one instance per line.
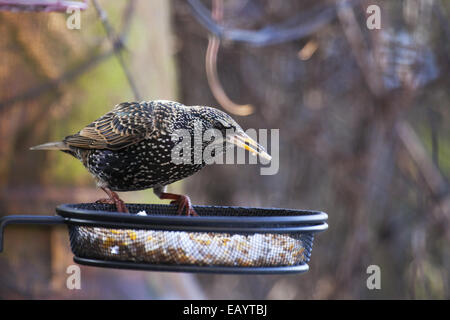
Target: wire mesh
x=190, y=248
x=203, y=248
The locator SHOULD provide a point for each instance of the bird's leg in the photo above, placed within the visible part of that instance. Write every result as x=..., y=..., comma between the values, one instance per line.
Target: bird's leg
x=183, y=202
x=113, y=199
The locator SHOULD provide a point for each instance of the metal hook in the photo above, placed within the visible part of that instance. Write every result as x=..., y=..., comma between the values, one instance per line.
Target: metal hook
x=27, y=219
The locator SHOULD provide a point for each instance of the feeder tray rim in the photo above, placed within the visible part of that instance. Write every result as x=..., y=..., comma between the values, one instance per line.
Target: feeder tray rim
x=301, y=216
x=195, y=228
x=300, y=221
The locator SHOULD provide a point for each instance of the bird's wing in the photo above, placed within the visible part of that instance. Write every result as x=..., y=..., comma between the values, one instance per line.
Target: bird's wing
x=126, y=124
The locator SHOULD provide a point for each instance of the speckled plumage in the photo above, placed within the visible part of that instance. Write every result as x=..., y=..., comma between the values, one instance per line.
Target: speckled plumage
x=140, y=166
x=129, y=148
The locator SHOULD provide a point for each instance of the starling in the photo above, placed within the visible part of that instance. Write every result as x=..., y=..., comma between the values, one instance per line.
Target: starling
x=130, y=148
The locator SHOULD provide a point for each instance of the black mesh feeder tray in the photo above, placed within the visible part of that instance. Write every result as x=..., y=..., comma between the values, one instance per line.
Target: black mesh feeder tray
x=154, y=237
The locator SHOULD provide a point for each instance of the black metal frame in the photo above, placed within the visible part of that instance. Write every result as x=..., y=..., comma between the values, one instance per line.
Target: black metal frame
x=304, y=221
x=27, y=219
x=293, y=221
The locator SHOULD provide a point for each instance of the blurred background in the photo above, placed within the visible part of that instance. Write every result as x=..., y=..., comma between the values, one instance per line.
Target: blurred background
x=364, y=123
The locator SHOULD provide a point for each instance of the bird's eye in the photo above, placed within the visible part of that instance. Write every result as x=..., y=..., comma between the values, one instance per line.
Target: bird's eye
x=221, y=124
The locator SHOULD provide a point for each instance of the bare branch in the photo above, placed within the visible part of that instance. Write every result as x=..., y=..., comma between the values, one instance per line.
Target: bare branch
x=68, y=76
x=362, y=54
x=117, y=46
x=430, y=172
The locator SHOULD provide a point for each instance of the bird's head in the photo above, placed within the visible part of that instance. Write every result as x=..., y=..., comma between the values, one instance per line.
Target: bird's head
x=231, y=131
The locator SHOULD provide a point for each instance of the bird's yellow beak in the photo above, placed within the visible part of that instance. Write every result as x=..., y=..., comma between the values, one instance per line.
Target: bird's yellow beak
x=243, y=141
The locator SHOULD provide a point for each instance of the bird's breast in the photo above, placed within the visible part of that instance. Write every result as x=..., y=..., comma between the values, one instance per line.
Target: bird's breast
x=140, y=166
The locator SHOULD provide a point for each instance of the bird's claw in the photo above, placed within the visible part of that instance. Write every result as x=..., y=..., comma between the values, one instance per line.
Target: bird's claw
x=105, y=201
x=120, y=205
x=184, y=206
x=183, y=202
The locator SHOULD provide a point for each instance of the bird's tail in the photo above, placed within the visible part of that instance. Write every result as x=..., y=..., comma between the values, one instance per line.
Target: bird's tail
x=51, y=146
